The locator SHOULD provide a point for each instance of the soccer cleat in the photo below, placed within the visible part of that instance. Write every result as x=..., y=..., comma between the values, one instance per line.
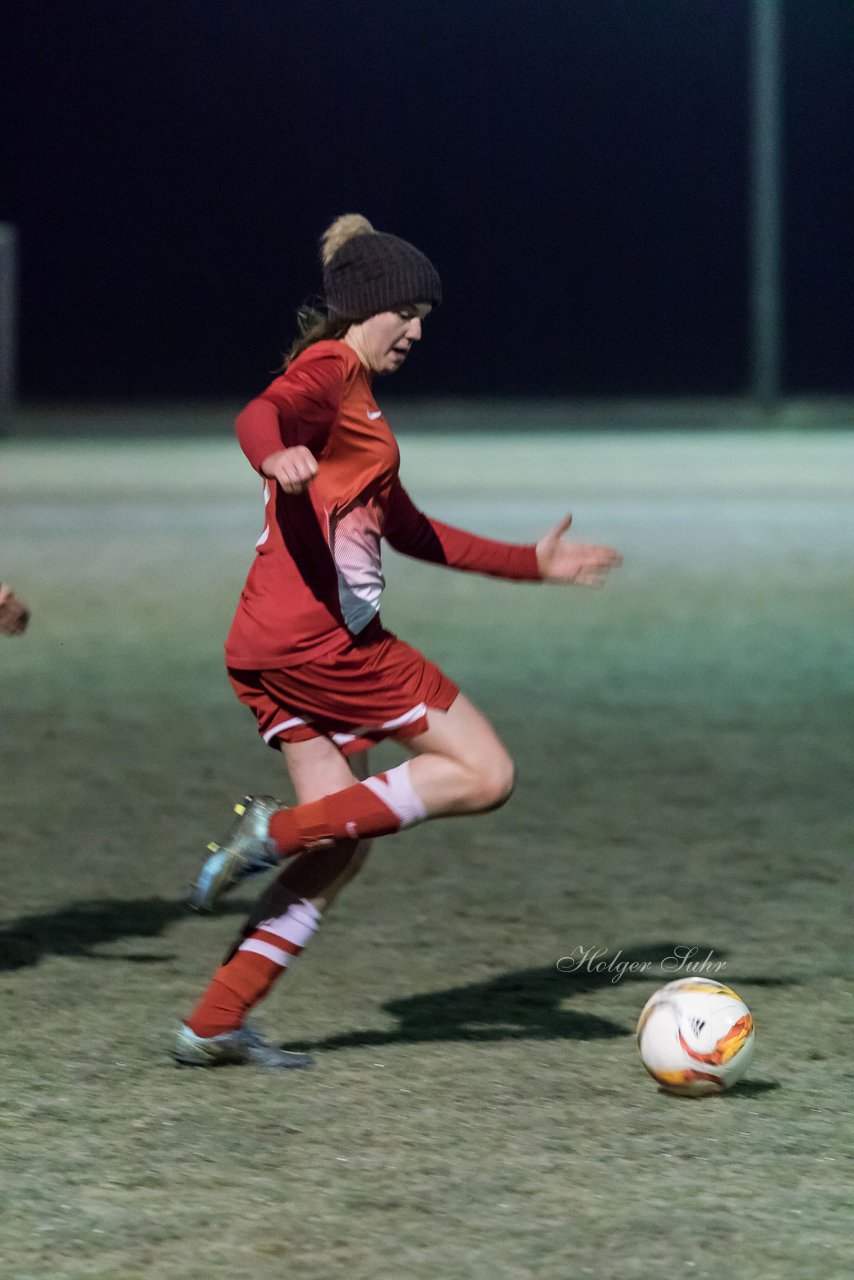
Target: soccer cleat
x=246, y=851
x=244, y=1046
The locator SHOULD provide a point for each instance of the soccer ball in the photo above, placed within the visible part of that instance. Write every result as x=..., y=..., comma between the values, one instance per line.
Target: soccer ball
x=695, y=1037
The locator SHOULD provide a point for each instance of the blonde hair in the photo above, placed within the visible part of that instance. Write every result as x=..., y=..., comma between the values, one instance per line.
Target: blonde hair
x=314, y=324
x=340, y=231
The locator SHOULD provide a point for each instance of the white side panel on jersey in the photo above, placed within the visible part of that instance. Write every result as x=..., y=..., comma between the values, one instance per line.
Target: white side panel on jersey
x=265, y=535
x=355, y=542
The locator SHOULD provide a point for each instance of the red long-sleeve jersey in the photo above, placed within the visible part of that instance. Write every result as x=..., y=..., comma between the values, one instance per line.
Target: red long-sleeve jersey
x=316, y=581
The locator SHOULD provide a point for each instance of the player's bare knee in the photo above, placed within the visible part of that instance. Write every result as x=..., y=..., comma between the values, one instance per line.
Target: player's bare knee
x=504, y=781
x=495, y=783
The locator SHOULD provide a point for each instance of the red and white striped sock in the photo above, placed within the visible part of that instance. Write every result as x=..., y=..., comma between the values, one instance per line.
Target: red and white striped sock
x=250, y=973
x=378, y=806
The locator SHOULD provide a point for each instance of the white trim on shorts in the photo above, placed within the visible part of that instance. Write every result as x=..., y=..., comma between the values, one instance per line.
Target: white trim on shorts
x=279, y=728
x=342, y=739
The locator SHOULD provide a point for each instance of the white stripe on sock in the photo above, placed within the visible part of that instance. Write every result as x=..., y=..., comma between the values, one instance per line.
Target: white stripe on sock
x=398, y=794
x=267, y=949
x=306, y=908
x=298, y=925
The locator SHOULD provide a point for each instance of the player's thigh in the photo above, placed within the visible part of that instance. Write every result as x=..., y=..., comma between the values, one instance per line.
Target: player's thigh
x=317, y=768
x=463, y=734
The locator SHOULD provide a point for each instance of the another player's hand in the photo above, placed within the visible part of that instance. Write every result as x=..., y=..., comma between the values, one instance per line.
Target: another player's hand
x=292, y=469
x=579, y=563
x=14, y=615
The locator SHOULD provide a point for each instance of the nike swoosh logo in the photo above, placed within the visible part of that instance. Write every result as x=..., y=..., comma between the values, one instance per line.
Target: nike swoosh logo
x=378, y=414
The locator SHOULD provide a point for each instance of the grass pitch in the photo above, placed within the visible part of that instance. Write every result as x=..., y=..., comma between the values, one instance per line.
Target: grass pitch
x=684, y=746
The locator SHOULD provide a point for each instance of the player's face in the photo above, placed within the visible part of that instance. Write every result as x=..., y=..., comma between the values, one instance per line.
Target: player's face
x=384, y=341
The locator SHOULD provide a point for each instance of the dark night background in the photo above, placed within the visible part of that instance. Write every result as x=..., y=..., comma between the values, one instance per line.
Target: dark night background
x=577, y=169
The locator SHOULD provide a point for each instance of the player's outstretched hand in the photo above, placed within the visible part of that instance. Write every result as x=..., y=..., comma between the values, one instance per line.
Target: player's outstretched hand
x=14, y=614
x=579, y=563
x=292, y=469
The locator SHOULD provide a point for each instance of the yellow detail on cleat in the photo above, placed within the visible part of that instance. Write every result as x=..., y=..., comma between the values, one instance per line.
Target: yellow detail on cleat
x=213, y=846
x=240, y=808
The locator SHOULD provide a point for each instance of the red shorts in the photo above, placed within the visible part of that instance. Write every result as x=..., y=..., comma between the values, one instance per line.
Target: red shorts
x=355, y=698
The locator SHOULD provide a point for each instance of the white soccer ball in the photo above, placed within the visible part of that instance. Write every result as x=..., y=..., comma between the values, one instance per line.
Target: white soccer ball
x=695, y=1037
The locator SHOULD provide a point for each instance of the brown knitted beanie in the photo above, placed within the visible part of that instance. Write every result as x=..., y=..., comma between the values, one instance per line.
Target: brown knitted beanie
x=367, y=271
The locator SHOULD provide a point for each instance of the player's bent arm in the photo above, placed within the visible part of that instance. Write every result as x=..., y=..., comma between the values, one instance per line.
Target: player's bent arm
x=258, y=431
x=412, y=533
x=297, y=410
x=292, y=469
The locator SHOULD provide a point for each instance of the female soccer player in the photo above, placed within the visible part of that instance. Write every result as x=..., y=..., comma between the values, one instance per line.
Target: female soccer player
x=307, y=652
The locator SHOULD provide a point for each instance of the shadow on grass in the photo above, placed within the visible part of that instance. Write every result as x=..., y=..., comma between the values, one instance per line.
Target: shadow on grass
x=528, y=1004
x=754, y=1088
x=75, y=930
x=514, y=1006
